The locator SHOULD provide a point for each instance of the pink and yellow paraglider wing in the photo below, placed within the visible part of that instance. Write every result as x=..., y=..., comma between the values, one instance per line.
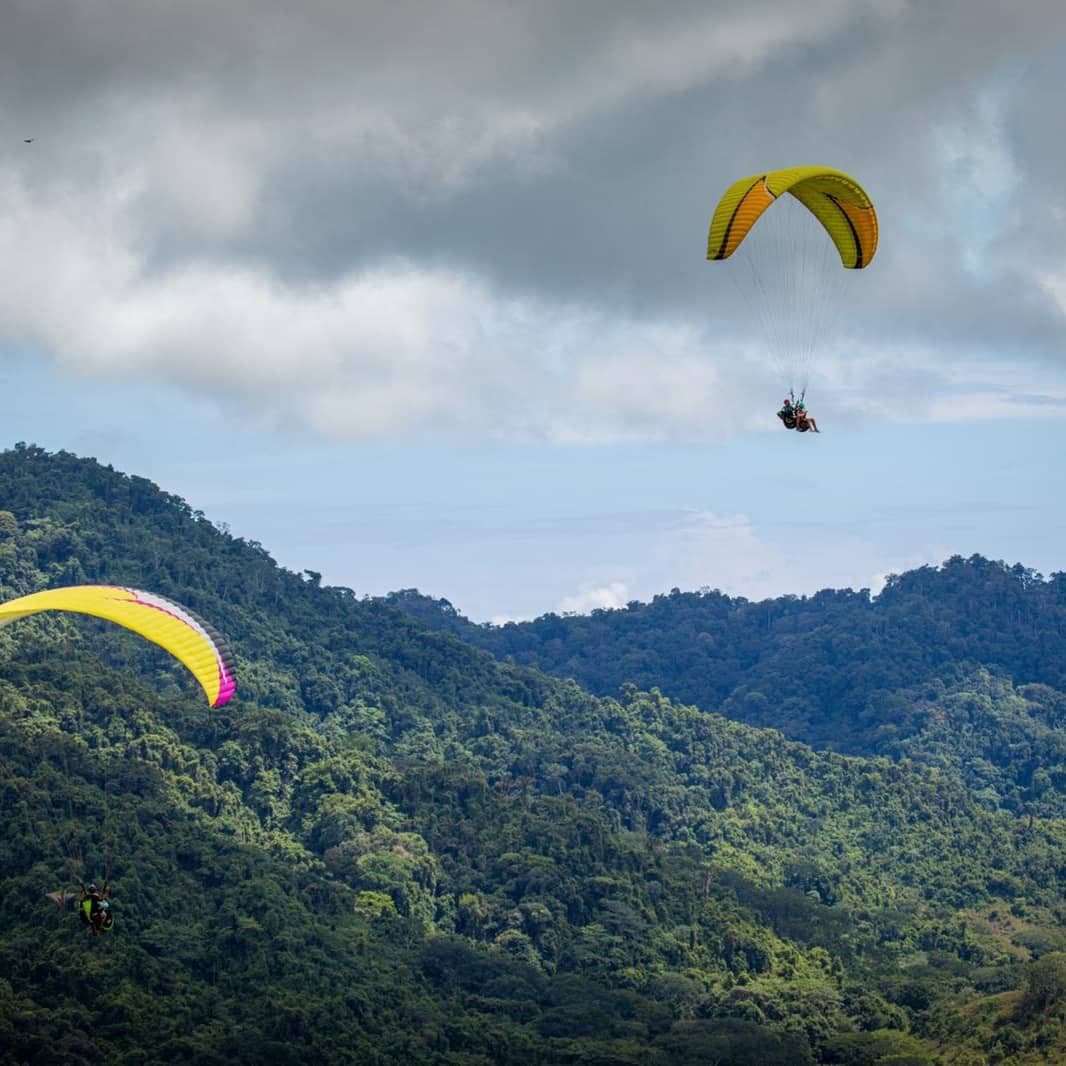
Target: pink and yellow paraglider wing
x=173, y=627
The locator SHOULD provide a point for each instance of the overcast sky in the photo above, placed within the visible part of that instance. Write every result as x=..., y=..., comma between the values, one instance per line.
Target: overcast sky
x=415, y=294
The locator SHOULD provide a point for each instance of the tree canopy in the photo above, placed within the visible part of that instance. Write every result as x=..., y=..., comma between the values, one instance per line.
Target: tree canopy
x=392, y=845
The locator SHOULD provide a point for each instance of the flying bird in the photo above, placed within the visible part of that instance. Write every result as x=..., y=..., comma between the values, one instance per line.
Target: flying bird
x=28, y=140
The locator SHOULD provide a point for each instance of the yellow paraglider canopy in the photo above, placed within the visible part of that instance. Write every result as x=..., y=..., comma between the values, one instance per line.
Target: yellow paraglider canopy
x=836, y=199
x=173, y=627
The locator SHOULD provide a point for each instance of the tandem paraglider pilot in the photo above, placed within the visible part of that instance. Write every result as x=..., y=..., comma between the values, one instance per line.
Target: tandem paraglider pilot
x=832, y=199
x=94, y=908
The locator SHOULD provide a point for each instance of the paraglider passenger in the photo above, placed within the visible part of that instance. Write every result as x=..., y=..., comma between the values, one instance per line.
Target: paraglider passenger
x=787, y=414
x=94, y=908
x=804, y=421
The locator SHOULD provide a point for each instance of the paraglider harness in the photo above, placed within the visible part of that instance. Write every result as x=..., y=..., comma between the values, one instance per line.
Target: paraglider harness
x=94, y=909
x=788, y=413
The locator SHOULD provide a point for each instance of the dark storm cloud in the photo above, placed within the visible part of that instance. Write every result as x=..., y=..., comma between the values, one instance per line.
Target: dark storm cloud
x=569, y=154
x=375, y=113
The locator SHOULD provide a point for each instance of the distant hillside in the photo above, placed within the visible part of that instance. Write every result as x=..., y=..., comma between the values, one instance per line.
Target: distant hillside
x=393, y=847
x=973, y=651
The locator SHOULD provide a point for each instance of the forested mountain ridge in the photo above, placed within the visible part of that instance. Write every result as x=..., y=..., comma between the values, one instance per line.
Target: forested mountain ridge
x=393, y=847
x=961, y=666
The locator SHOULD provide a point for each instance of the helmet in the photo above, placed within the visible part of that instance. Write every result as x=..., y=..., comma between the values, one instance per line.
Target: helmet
x=90, y=888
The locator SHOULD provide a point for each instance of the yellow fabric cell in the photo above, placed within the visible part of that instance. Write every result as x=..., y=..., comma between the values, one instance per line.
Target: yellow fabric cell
x=168, y=624
x=837, y=200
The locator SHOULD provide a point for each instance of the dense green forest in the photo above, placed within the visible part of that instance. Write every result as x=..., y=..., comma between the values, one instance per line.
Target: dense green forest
x=394, y=845
x=961, y=666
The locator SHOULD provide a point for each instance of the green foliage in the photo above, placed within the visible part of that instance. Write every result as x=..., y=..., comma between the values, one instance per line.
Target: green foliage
x=1045, y=986
x=876, y=1049
x=961, y=667
x=393, y=847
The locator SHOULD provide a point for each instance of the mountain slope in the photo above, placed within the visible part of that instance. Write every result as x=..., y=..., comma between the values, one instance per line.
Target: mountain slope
x=393, y=847
x=973, y=649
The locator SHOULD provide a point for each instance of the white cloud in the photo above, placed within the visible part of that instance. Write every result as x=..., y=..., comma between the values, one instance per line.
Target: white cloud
x=402, y=348
x=716, y=551
x=798, y=554
x=980, y=178
x=672, y=55
x=175, y=247
x=990, y=406
x=204, y=171
x=588, y=599
x=1054, y=284
x=396, y=349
